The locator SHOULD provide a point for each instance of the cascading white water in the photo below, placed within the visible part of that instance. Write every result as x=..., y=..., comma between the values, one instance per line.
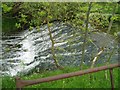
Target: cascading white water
x=31, y=49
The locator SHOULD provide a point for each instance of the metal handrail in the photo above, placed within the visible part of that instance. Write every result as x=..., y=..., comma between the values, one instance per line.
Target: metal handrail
x=22, y=83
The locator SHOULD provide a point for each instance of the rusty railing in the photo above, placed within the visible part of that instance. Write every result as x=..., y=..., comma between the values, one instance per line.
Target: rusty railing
x=22, y=83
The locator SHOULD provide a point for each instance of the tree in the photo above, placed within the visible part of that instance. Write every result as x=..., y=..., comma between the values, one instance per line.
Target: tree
x=85, y=35
x=51, y=38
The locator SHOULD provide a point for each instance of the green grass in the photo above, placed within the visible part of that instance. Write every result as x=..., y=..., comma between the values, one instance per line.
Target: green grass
x=98, y=80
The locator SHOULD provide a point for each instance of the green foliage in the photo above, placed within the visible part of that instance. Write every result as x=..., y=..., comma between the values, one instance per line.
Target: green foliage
x=34, y=14
x=6, y=8
x=98, y=81
x=8, y=26
x=8, y=82
x=17, y=25
x=31, y=15
x=42, y=13
x=23, y=18
x=115, y=18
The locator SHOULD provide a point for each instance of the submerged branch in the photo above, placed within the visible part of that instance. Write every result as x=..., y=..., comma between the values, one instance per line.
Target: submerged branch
x=96, y=57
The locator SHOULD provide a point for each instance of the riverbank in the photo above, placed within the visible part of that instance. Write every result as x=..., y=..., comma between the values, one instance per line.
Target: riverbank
x=19, y=16
x=8, y=25
x=99, y=80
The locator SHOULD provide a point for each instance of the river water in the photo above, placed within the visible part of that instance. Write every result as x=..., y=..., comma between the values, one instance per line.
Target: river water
x=31, y=50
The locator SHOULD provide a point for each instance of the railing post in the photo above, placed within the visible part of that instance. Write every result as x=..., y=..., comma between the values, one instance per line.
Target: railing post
x=111, y=78
x=17, y=80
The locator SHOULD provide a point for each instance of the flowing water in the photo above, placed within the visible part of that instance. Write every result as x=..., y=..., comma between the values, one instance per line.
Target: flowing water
x=31, y=50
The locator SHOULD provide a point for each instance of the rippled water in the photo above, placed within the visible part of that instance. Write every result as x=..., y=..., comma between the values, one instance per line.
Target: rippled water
x=30, y=50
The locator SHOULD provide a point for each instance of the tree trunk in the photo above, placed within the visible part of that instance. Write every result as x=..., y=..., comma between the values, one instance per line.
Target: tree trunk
x=53, y=48
x=85, y=36
x=111, y=21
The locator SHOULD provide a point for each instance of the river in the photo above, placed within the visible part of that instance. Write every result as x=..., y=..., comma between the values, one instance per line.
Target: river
x=30, y=50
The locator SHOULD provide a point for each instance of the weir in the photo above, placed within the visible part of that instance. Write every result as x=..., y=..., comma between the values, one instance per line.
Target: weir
x=29, y=51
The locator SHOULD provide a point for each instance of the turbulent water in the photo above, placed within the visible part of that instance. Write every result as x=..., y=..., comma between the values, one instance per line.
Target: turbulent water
x=31, y=50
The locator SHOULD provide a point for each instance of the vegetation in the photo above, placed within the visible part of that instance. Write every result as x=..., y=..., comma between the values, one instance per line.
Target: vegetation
x=101, y=16
x=99, y=80
x=28, y=15
x=86, y=32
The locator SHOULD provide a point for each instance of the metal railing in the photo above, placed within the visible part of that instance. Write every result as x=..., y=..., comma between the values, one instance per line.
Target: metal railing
x=22, y=83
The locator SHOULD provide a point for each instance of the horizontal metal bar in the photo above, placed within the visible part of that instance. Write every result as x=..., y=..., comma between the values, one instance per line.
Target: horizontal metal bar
x=21, y=83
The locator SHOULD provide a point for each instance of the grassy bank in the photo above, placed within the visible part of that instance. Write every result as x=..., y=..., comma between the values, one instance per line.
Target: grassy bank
x=98, y=81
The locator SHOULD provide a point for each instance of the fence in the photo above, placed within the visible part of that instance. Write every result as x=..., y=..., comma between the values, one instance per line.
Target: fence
x=22, y=83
